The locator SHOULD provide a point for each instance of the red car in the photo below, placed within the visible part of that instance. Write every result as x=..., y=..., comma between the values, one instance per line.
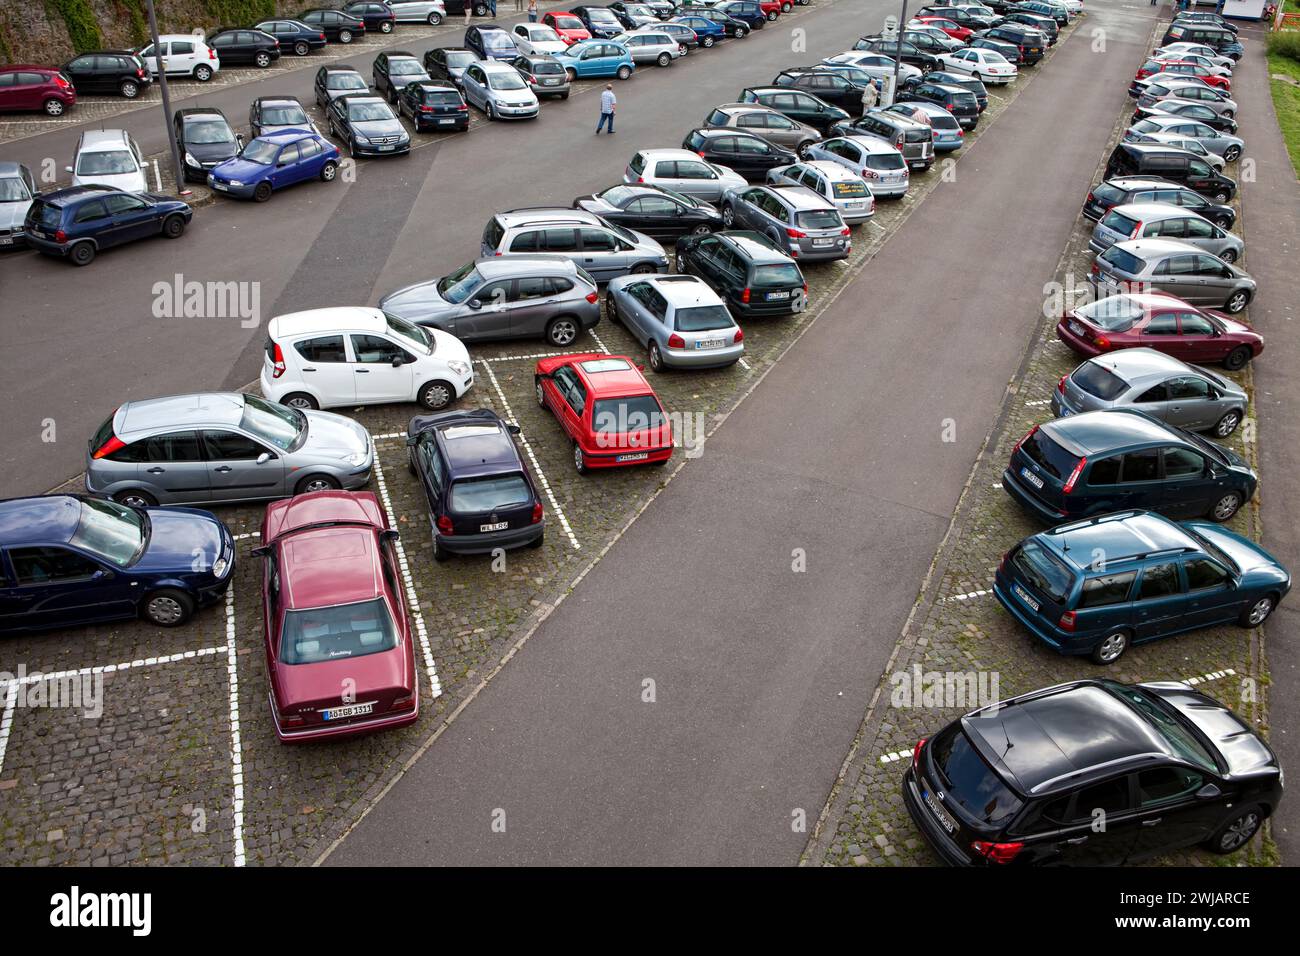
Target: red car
x=608, y=409
x=1185, y=68
x=339, y=651
x=774, y=8
x=1161, y=322
x=950, y=27
x=569, y=27
x=35, y=88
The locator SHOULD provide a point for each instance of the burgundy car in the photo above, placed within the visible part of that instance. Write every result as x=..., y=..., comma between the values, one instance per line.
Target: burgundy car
x=339, y=651
x=25, y=88
x=1160, y=322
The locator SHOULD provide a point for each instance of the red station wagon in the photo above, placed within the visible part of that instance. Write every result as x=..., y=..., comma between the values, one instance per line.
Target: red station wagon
x=339, y=651
x=607, y=408
x=1161, y=322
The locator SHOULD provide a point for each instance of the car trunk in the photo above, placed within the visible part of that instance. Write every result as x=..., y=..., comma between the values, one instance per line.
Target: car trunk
x=1044, y=468
x=490, y=503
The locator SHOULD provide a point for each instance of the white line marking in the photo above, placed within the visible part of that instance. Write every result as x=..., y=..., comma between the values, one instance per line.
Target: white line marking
x=36, y=676
x=1212, y=675
x=532, y=356
x=967, y=597
x=7, y=721
x=247, y=534
x=236, y=740
x=1038, y=401
x=598, y=341
x=744, y=364
x=390, y=436
x=896, y=755
x=537, y=468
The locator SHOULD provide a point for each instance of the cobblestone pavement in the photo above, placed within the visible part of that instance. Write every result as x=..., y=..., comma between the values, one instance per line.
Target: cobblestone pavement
x=958, y=625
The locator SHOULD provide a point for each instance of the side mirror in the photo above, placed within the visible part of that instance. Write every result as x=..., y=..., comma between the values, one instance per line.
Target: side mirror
x=103, y=574
x=67, y=169
x=475, y=304
x=513, y=429
x=1209, y=792
x=389, y=534
x=263, y=458
x=398, y=361
x=262, y=551
x=239, y=140
x=413, y=439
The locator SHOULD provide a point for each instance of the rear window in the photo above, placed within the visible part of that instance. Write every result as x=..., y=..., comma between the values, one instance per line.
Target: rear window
x=1044, y=570
x=44, y=214
x=1115, y=314
x=612, y=416
x=334, y=633
x=493, y=233
x=441, y=98
x=885, y=161
x=1123, y=261
x=1098, y=382
x=850, y=190
x=703, y=318
x=638, y=164
x=970, y=781
x=918, y=135
x=1048, y=455
x=1108, y=194
x=1119, y=223
x=778, y=273
x=473, y=495
x=819, y=219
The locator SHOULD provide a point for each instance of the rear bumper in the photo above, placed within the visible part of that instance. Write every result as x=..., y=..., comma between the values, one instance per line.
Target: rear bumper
x=1011, y=482
x=703, y=358
x=939, y=841
x=326, y=732
x=48, y=246
x=1079, y=345
x=608, y=459
x=489, y=541
x=1058, y=642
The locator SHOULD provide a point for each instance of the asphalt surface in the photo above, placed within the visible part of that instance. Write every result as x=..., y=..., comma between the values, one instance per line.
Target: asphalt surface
x=761, y=673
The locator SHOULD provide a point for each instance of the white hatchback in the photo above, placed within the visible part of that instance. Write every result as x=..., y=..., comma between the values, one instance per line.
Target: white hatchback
x=361, y=356
x=109, y=157
x=183, y=54
x=536, y=39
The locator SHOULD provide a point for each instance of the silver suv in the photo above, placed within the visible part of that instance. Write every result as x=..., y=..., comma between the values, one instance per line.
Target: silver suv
x=499, y=91
x=602, y=249
x=1164, y=265
x=772, y=125
x=221, y=447
x=794, y=218
x=837, y=184
x=504, y=297
x=1164, y=221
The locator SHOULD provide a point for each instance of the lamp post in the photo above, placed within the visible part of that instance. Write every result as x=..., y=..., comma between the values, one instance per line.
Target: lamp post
x=166, y=101
x=898, y=52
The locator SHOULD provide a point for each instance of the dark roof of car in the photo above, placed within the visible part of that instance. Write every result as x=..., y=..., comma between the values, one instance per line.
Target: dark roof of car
x=340, y=68
x=1097, y=433
x=38, y=520
x=35, y=67
x=753, y=246
x=72, y=194
x=1121, y=536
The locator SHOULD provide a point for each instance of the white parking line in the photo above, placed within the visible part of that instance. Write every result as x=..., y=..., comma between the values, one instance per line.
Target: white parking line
x=7, y=721
x=391, y=436
x=531, y=357
x=969, y=596
x=1038, y=401
x=236, y=739
x=35, y=676
x=603, y=348
x=744, y=364
x=537, y=468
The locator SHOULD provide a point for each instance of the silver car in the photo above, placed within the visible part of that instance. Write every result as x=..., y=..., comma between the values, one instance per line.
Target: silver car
x=765, y=122
x=1182, y=142
x=17, y=190
x=1158, y=220
x=1183, y=90
x=499, y=91
x=504, y=297
x=432, y=12
x=795, y=219
x=837, y=184
x=1166, y=265
x=651, y=46
x=1216, y=141
x=881, y=165
x=679, y=319
x=877, y=64
x=1184, y=395
x=683, y=172
x=600, y=248
x=213, y=448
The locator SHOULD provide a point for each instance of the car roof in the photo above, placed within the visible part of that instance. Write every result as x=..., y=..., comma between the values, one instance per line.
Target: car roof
x=38, y=520
x=495, y=66
x=1147, y=211
x=337, y=318
x=139, y=418
x=72, y=194
x=192, y=111
x=752, y=245
x=882, y=112
x=871, y=144
x=684, y=291
x=1136, y=365
x=1047, y=741
x=833, y=171
x=100, y=139
x=303, y=511
x=671, y=152
x=1131, y=183
x=283, y=98
x=9, y=168
x=533, y=263
x=476, y=445
x=800, y=197
x=1159, y=248
x=340, y=68
x=283, y=136
x=1103, y=432
x=526, y=216
x=1122, y=536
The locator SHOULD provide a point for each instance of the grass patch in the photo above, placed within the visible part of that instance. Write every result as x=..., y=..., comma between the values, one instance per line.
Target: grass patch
x=1286, y=102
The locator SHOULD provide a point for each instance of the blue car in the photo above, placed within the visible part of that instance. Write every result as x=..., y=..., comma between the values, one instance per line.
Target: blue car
x=274, y=161
x=77, y=222
x=1096, y=587
x=67, y=560
x=708, y=31
x=490, y=43
x=596, y=58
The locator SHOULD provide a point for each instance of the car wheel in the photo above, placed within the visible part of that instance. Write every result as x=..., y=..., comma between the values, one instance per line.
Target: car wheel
x=173, y=227
x=564, y=96
x=772, y=14
x=702, y=230
x=262, y=193
x=1111, y=648
x=315, y=483
x=728, y=216
x=263, y=60
x=136, y=499
x=203, y=73
x=802, y=149
x=301, y=401
x=1227, y=424
x=571, y=74
x=1226, y=507
x=167, y=608
x=1228, y=255
x=440, y=554
x=1237, y=358
x=579, y=461
x=437, y=394
x=1223, y=222
x=1254, y=615
x=1238, y=301
x=386, y=27
x=643, y=269
x=562, y=331
x=82, y=254
x=301, y=48
x=488, y=110
x=665, y=59
x=329, y=171
x=611, y=308
x=655, y=357
x=1221, y=197
x=1231, y=153
x=53, y=107
x=624, y=72
x=787, y=7
x=434, y=19
x=1237, y=832
x=130, y=89
x=706, y=42
x=480, y=9
x=345, y=36
x=537, y=390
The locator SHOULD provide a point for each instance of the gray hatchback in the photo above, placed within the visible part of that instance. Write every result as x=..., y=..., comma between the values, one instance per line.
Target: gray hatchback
x=1164, y=221
x=218, y=447
x=794, y=218
x=1167, y=265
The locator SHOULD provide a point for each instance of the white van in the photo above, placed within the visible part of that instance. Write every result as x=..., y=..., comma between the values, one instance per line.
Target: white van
x=109, y=157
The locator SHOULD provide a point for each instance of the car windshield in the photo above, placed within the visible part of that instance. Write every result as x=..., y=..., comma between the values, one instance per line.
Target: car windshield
x=115, y=533
x=1098, y=382
x=314, y=635
x=411, y=332
x=204, y=132
x=456, y=288
x=260, y=151
x=506, y=81
x=703, y=318
x=568, y=23
x=1115, y=314
x=404, y=67
x=271, y=422
x=970, y=781
x=368, y=112
x=632, y=414
x=543, y=34
x=599, y=15
x=777, y=273
x=13, y=189
x=474, y=495
x=284, y=116
x=109, y=163
x=1043, y=570
x=1179, y=737
x=345, y=81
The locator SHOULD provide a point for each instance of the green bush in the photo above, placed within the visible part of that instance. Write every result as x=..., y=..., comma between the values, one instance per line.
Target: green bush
x=83, y=29
x=1285, y=43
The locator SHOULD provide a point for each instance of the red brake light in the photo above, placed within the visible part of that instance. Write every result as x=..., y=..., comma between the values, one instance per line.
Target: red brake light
x=1026, y=437
x=404, y=702
x=444, y=525
x=1066, y=623
x=537, y=512
x=1074, y=475
x=1102, y=342
x=592, y=297
x=60, y=236
x=916, y=751
x=60, y=82
x=277, y=361
x=744, y=296
x=1060, y=386
x=795, y=233
x=113, y=444
x=700, y=153
x=139, y=72
x=997, y=852
x=675, y=341
x=740, y=336
x=1136, y=231
x=322, y=36
x=845, y=231
x=212, y=54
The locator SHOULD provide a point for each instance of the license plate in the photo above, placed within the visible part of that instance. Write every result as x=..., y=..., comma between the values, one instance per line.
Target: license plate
x=351, y=710
x=822, y=242
x=551, y=82
x=445, y=122
x=777, y=295
x=1030, y=477
x=710, y=344
x=639, y=456
x=220, y=187
x=1024, y=596
x=1075, y=327
x=940, y=814
x=497, y=526
x=385, y=149
x=853, y=205
x=6, y=241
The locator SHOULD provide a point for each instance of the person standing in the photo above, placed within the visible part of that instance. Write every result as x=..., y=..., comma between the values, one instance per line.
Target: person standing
x=608, y=103
x=519, y=6
x=469, y=8
x=870, y=96
x=532, y=11
x=492, y=8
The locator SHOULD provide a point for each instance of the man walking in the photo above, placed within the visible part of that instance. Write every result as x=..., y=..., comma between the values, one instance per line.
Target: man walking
x=469, y=8
x=492, y=7
x=608, y=103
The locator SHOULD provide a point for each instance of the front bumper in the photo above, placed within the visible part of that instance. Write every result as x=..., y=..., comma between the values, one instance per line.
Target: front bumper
x=517, y=112
x=384, y=149
x=242, y=191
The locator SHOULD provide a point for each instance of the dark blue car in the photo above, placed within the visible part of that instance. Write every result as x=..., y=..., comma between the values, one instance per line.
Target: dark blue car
x=274, y=161
x=1095, y=587
x=79, y=221
x=708, y=31
x=67, y=560
x=1123, y=458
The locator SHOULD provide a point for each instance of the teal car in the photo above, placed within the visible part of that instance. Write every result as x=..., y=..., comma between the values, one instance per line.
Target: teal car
x=596, y=58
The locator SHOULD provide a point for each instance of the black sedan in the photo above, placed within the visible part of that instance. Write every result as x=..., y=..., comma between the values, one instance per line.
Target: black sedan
x=205, y=139
x=294, y=35
x=337, y=26
x=749, y=155
x=245, y=47
x=653, y=210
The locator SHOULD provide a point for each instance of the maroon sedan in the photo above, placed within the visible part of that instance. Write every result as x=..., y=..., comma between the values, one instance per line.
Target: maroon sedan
x=339, y=651
x=26, y=87
x=1160, y=322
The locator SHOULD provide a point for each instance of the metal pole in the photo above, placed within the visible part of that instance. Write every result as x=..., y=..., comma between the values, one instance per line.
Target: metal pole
x=898, y=52
x=166, y=101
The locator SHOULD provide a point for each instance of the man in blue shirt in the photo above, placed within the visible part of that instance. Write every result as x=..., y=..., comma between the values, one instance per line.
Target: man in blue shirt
x=608, y=103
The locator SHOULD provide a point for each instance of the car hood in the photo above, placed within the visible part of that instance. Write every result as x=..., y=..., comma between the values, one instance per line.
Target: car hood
x=181, y=540
x=130, y=182
x=333, y=436
x=417, y=303
x=242, y=169
x=448, y=348
x=1243, y=750
x=1247, y=555
x=386, y=127
x=548, y=46
x=212, y=152
x=12, y=214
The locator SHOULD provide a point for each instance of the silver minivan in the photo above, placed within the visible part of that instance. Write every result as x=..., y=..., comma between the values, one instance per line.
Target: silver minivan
x=218, y=447
x=795, y=219
x=600, y=248
x=1166, y=265
x=1157, y=220
x=683, y=172
x=499, y=91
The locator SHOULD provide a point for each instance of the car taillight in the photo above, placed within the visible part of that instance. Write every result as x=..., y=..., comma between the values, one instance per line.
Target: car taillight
x=62, y=83
x=1074, y=475
x=997, y=852
x=426, y=109
x=1066, y=623
x=444, y=525
x=291, y=720
x=961, y=133
x=1091, y=198
x=139, y=73
x=1096, y=269
x=113, y=444
x=1101, y=341
x=60, y=236
x=277, y=361
x=1060, y=386
x=537, y=512
x=1029, y=434
x=744, y=296
x=675, y=341
x=1136, y=230
x=795, y=233
x=592, y=296
x=212, y=54
x=1002, y=564
x=845, y=231
x=321, y=36
x=916, y=751
x=740, y=336
x=463, y=108
x=640, y=179
x=700, y=153
x=405, y=702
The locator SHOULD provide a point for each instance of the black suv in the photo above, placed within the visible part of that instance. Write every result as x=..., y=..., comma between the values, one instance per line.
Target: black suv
x=448, y=62
x=1159, y=161
x=108, y=71
x=747, y=154
x=337, y=26
x=960, y=102
x=1026, y=780
x=799, y=106
x=827, y=85
x=1118, y=192
x=378, y=17
x=751, y=274
x=481, y=495
x=905, y=50
x=1010, y=51
x=1031, y=44
x=1044, y=25
x=393, y=70
x=433, y=106
x=205, y=139
x=245, y=48
x=294, y=35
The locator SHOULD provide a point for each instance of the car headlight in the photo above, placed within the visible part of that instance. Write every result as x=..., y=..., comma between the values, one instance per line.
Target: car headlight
x=460, y=368
x=356, y=458
x=191, y=161
x=361, y=140
x=236, y=182
x=219, y=567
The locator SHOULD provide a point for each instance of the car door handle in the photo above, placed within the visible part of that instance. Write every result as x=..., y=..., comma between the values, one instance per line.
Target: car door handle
x=1151, y=823
x=222, y=469
x=155, y=471
x=309, y=370
x=1076, y=841
x=363, y=371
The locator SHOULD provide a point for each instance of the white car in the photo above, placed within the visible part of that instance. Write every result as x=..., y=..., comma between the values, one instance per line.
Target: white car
x=350, y=355
x=183, y=54
x=17, y=190
x=109, y=157
x=1196, y=49
x=989, y=66
x=836, y=183
x=877, y=64
x=432, y=12
x=648, y=45
x=537, y=38
x=682, y=171
x=880, y=164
